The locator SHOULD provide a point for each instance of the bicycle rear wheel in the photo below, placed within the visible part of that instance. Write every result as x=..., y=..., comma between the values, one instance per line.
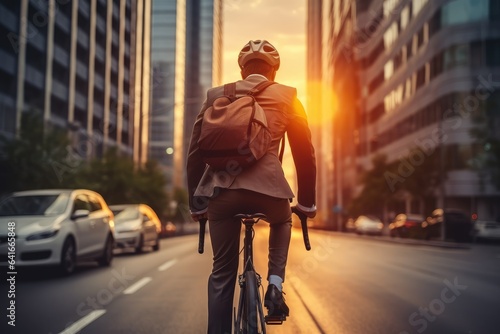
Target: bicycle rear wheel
x=252, y=314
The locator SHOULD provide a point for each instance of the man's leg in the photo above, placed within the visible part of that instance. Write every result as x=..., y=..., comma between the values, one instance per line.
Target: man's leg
x=225, y=238
x=280, y=219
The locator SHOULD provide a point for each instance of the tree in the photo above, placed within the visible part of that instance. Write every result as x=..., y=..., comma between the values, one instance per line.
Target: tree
x=375, y=193
x=117, y=179
x=40, y=158
x=486, y=134
x=181, y=214
x=386, y=184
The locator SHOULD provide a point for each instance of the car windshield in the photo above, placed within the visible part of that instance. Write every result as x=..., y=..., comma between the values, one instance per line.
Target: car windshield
x=126, y=214
x=34, y=205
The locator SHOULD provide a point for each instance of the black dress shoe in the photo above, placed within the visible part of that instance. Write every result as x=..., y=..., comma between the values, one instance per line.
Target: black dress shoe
x=275, y=302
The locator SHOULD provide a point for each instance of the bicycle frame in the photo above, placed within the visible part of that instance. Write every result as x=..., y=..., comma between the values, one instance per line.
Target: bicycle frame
x=249, y=318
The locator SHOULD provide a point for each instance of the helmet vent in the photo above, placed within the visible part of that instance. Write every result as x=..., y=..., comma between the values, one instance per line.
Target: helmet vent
x=267, y=48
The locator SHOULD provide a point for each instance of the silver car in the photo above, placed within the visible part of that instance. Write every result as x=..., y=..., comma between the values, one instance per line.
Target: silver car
x=136, y=226
x=55, y=227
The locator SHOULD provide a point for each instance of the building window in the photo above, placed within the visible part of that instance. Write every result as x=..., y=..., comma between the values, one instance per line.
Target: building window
x=463, y=11
x=391, y=35
x=420, y=77
x=417, y=6
x=405, y=17
x=388, y=69
x=493, y=53
x=494, y=10
x=456, y=56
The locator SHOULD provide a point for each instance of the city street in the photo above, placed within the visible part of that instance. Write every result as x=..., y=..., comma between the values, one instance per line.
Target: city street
x=345, y=284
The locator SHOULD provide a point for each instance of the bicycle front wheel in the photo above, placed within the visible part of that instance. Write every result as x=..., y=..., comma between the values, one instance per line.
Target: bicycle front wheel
x=252, y=315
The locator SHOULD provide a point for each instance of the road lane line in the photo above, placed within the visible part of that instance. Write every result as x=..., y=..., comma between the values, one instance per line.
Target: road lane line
x=311, y=314
x=137, y=285
x=83, y=322
x=167, y=265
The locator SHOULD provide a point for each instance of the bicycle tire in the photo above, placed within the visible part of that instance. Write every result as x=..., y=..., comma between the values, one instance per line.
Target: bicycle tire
x=251, y=319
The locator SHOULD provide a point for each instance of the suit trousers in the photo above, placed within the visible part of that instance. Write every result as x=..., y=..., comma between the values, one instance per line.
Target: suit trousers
x=225, y=234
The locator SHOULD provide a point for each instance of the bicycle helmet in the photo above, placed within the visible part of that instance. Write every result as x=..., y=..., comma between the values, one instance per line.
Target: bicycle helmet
x=259, y=49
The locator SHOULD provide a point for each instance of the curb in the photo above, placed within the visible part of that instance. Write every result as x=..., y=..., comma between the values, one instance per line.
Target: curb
x=403, y=241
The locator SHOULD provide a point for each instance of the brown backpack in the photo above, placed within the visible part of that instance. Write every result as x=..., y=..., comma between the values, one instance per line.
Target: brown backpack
x=234, y=131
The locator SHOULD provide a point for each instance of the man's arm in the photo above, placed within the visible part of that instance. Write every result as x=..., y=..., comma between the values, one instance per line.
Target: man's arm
x=303, y=154
x=195, y=166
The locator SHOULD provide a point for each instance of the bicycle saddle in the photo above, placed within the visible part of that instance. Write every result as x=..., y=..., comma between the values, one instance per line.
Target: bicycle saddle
x=250, y=216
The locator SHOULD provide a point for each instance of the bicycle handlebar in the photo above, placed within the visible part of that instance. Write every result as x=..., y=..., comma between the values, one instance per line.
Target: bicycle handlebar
x=301, y=215
x=201, y=242
x=303, y=222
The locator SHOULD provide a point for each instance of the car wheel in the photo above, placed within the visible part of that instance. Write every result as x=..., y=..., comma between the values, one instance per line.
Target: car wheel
x=107, y=255
x=156, y=246
x=68, y=257
x=140, y=246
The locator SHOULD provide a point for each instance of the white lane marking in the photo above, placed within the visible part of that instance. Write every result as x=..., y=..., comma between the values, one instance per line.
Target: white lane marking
x=137, y=285
x=167, y=265
x=83, y=322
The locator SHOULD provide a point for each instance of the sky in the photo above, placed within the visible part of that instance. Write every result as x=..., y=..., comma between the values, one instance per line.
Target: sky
x=281, y=22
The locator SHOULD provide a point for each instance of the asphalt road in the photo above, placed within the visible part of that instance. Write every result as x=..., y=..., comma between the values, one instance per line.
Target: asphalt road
x=345, y=284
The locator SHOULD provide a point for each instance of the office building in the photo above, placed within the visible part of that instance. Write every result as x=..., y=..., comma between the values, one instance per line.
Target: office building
x=186, y=52
x=168, y=70
x=83, y=65
x=415, y=77
x=203, y=57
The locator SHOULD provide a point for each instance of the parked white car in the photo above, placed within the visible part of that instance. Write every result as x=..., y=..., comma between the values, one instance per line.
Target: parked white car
x=55, y=227
x=136, y=226
x=486, y=230
x=368, y=225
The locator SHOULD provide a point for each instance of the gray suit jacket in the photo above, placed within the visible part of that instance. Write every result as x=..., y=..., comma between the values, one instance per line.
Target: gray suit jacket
x=284, y=113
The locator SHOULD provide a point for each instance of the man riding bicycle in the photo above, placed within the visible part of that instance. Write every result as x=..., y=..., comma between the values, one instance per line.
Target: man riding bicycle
x=261, y=187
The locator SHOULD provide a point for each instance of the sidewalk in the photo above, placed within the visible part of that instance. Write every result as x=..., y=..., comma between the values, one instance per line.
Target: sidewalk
x=406, y=241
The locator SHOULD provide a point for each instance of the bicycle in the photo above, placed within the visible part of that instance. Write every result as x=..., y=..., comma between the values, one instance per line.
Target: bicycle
x=249, y=317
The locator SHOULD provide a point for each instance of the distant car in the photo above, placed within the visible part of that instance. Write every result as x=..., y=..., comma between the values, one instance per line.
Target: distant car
x=169, y=229
x=367, y=224
x=136, y=226
x=55, y=227
x=457, y=225
x=406, y=225
x=349, y=225
x=486, y=230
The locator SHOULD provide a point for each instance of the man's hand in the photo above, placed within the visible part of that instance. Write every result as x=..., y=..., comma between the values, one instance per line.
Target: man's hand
x=196, y=216
x=309, y=212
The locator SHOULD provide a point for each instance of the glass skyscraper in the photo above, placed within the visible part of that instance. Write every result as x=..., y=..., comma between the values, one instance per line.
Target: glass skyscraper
x=168, y=75
x=186, y=56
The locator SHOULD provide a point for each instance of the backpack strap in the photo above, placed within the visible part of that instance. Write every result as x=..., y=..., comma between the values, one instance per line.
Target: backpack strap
x=260, y=87
x=282, y=149
x=230, y=90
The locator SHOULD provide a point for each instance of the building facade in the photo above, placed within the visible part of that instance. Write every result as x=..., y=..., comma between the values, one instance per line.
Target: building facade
x=83, y=65
x=203, y=61
x=186, y=56
x=168, y=69
x=419, y=76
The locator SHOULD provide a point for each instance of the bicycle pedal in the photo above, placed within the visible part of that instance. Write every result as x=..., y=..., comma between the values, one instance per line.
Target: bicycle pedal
x=274, y=319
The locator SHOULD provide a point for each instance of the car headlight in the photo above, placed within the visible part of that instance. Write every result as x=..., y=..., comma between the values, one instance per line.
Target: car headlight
x=42, y=235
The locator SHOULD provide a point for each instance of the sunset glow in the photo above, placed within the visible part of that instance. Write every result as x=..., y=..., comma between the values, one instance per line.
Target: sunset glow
x=282, y=23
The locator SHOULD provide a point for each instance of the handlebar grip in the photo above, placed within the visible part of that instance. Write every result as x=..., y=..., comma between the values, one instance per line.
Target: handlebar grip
x=201, y=241
x=303, y=222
